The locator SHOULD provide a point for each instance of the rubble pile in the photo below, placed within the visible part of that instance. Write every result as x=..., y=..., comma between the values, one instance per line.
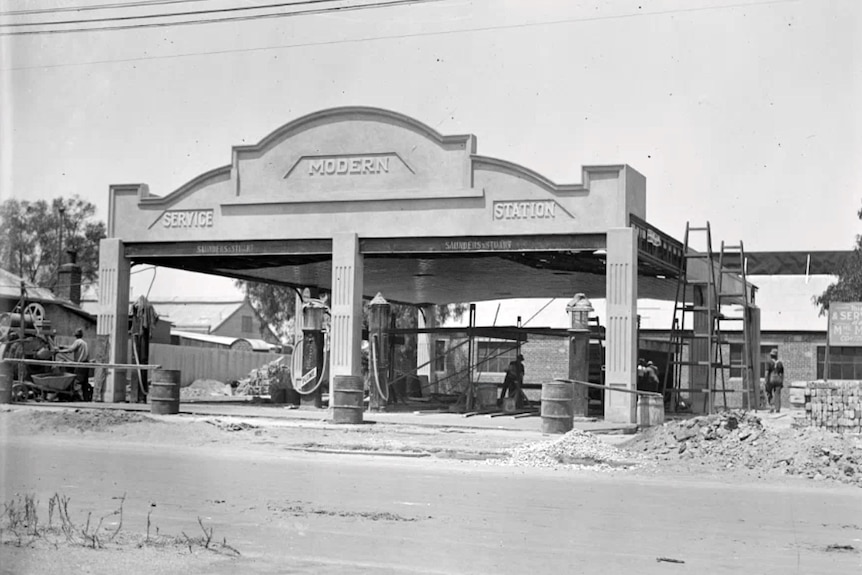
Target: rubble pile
x=205, y=388
x=574, y=449
x=739, y=440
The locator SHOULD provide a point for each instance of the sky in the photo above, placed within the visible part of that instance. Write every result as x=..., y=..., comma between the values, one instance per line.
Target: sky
x=741, y=113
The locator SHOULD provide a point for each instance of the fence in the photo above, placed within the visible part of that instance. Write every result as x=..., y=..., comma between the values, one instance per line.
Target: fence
x=209, y=363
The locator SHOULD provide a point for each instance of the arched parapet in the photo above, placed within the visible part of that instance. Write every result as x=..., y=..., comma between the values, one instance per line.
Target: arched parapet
x=357, y=113
x=379, y=174
x=352, y=153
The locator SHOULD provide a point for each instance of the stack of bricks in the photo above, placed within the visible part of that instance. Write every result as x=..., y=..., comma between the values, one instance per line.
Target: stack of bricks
x=835, y=405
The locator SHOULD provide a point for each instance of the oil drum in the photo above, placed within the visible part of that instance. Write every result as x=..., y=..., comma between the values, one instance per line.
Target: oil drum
x=164, y=393
x=558, y=407
x=347, y=395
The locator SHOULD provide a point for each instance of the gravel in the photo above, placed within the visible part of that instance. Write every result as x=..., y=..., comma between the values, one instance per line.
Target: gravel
x=576, y=449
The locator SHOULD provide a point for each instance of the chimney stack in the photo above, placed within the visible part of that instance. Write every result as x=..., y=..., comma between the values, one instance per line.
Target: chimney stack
x=69, y=281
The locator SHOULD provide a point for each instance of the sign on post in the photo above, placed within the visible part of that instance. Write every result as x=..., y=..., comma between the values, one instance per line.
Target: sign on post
x=843, y=327
x=845, y=323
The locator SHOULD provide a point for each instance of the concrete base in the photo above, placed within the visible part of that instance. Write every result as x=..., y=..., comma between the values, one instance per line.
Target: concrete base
x=650, y=410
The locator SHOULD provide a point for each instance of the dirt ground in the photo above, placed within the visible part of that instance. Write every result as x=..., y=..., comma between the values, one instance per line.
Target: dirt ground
x=728, y=448
x=727, y=445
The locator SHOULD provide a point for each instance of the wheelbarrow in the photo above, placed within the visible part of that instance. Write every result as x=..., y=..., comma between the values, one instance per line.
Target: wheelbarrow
x=44, y=385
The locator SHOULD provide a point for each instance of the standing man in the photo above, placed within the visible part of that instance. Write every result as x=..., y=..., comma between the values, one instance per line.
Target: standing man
x=514, y=378
x=774, y=381
x=80, y=354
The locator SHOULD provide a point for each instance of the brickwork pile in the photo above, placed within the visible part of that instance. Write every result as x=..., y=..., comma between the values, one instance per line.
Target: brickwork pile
x=835, y=406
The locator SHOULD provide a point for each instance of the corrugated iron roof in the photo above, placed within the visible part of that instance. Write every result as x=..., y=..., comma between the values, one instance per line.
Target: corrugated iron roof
x=10, y=287
x=195, y=315
x=256, y=344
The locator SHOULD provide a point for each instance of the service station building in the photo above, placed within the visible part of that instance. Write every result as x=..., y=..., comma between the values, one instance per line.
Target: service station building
x=356, y=201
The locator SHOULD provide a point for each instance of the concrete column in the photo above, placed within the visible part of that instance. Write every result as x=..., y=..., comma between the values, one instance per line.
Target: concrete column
x=113, y=318
x=425, y=349
x=621, y=333
x=346, y=307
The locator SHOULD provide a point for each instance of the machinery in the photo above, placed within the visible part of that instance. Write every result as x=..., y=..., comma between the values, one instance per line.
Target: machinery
x=26, y=334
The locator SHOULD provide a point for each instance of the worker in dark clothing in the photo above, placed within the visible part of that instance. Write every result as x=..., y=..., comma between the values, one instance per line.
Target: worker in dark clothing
x=514, y=378
x=774, y=381
x=80, y=353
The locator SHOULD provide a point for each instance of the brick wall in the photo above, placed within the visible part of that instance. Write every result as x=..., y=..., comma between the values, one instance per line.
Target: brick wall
x=546, y=357
x=836, y=405
x=798, y=353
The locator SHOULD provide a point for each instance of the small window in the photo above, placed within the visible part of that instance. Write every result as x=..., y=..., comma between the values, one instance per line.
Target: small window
x=494, y=356
x=247, y=326
x=440, y=355
x=844, y=362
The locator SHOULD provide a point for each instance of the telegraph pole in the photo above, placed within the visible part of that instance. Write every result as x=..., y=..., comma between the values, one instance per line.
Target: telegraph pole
x=62, y=210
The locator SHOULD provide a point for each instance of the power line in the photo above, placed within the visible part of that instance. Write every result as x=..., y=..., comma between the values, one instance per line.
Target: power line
x=405, y=36
x=116, y=5
x=167, y=14
x=348, y=8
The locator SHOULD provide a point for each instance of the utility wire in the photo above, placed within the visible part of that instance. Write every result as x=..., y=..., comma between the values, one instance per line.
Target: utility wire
x=167, y=14
x=335, y=9
x=116, y=5
x=395, y=36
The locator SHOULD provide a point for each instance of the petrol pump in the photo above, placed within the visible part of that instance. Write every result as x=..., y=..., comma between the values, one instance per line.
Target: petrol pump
x=579, y=351
x=379, y=318
x=312, y=372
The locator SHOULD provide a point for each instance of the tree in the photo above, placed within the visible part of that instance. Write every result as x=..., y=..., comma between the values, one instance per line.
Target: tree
x=274, y=303
x=30, y=234
x=849, y=284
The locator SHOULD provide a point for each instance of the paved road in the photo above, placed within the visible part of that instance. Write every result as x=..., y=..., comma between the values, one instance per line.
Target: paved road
x=290, y=512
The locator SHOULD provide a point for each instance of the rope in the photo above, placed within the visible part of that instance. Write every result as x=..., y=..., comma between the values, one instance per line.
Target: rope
x=384, y=396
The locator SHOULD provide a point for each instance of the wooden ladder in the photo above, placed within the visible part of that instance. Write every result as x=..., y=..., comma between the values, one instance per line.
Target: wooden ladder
x=697, y=295
x=732, y=265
